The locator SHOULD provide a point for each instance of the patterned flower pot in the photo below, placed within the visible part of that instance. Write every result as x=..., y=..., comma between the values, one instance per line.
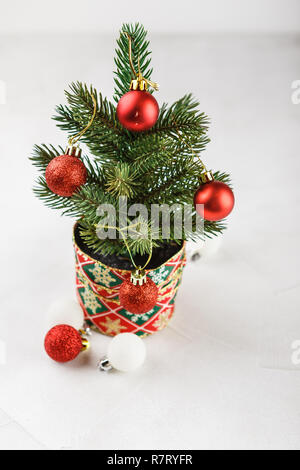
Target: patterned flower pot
x=97, y=289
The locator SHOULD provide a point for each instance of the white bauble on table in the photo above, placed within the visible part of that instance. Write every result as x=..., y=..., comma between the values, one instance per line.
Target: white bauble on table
x=65, y=311
x=126, y=352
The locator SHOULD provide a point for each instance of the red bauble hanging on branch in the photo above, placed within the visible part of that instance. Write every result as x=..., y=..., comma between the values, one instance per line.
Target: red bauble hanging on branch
x=139, y=294
x=137, y=110
x=65, y=174
x=214, y=200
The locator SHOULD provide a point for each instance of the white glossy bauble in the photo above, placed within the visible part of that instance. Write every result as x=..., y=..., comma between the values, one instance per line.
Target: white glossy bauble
x=126, y=352
x=65, y=311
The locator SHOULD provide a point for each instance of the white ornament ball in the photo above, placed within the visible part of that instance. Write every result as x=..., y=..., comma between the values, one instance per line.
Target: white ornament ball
x=126, y=352
x=65, y=311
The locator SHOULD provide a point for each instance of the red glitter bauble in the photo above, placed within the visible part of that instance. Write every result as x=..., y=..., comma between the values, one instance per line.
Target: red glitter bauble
x=217, y=199
x=65, y=174
x=137, y=110
x=63, y=343
x=138, y=299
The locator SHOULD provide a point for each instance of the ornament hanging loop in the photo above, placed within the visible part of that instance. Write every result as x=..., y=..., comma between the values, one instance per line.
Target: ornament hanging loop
x=139, y=82
x=73, y=149
x=207, y=175
x=140, y=271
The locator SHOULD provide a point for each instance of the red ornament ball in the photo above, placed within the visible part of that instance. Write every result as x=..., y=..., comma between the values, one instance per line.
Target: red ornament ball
x=65, y=174
x=137, y=110
x=138, y=299
x=63, y=343
x=217, y=199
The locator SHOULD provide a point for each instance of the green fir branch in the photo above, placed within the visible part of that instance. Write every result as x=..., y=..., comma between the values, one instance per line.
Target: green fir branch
x=123, y=74
x=43, y=154
x=104, y=137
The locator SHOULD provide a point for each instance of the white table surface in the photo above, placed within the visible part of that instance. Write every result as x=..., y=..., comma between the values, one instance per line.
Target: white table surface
x=220, y=376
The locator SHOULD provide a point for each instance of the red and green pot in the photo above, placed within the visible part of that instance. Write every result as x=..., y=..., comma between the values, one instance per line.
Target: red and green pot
x=98, y=285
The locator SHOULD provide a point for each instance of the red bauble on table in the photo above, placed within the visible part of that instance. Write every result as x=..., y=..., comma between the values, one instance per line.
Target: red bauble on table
x=216, y=199
x=138, y=298
x=63, y=343
x=65, y=174
x=137, y=110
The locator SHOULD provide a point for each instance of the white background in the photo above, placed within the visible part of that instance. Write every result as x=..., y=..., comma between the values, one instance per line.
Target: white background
x=221, y=375
x=191, y=16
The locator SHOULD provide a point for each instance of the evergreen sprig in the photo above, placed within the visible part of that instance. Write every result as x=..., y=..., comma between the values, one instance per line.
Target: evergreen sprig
x=154, y=167
x=140, y=44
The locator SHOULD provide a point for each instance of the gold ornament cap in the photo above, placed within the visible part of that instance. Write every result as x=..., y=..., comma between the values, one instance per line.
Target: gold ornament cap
x=138, y=277
x=141, y=83
x=73, y=150
x=85, y=342
x=206, y=177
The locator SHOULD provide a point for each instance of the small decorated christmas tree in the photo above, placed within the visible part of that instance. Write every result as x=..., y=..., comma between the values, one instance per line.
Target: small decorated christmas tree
x=138, y=152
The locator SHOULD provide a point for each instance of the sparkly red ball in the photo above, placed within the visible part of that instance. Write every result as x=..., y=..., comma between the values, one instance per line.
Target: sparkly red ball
x=217, y=199
x=138, y=299
x=137, y=110
x=65, y=174
x=63, y=343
